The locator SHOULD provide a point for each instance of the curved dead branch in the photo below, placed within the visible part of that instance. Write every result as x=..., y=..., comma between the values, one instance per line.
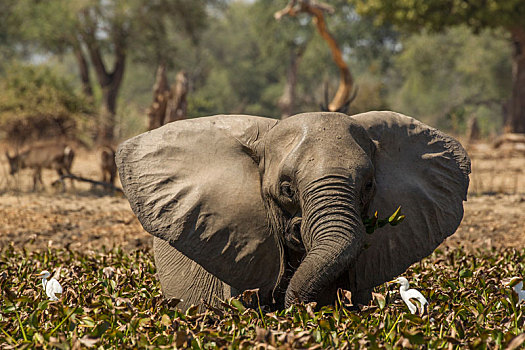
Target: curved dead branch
x=317, y=10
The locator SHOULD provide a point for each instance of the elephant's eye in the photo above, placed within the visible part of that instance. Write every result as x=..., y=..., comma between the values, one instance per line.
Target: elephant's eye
x=287, y=190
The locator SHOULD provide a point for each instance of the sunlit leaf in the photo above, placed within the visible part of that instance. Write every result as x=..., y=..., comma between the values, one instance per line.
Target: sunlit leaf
x=380, y=300
x=165, y=320
x=465, y=273
x=238, y=305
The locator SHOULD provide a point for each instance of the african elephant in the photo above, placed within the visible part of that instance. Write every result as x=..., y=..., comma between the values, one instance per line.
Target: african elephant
x=238, y=202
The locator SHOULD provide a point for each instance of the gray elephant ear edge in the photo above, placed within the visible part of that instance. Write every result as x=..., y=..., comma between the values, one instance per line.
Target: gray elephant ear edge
x=122, y=154
x=426, y=172
x=189, y=182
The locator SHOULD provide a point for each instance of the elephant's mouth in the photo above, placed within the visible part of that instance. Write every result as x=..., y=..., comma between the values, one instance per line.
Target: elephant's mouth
x=326, y=296
x=292, y=235
x=329, y=294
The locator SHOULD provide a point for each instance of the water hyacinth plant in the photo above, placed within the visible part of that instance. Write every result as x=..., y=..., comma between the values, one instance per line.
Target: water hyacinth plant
x=112, y=299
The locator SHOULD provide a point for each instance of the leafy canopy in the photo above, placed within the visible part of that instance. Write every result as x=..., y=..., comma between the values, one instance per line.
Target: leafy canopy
x=436, y=15
x=444, y=78
x=36, y=103
x=242, y=61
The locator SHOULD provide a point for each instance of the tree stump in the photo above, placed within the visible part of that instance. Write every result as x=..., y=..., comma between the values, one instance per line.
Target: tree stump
x=157, y=111
x=473, y=132
x=177, y=104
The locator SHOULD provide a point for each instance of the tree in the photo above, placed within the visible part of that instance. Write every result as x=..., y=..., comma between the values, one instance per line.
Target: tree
x=470, y=76
x=436, y=15
x=240, y=61
x=317, y=11
x=7, y=32
x=103, y=34
x=156, y=112
x=36, y=103
x=251, y=63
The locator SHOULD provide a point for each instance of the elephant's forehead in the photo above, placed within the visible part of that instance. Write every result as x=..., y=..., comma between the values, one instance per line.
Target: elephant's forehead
x=320, y=124
x=316, y=143
x=320, y=132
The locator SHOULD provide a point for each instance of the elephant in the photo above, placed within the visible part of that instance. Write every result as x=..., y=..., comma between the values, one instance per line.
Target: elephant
x=238, y=202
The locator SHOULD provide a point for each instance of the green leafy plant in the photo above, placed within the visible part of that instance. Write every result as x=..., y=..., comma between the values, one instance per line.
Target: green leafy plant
x=112, y=299
x=373, y=223
x=36, y=103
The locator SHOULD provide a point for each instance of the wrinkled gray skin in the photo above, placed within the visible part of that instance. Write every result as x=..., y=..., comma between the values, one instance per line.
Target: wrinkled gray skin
x=241, y=202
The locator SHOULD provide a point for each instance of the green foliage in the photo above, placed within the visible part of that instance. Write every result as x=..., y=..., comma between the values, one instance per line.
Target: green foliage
x=446, y=78
x=368, y=48
x=47, y=25
x=236, y=55
x=36, y=103
x=58, y=25
x=112, y=299
x=437, y=15
x=164, y=30
x=245, y=53
x=8, y=32
x=374, y=222
x=242, y=61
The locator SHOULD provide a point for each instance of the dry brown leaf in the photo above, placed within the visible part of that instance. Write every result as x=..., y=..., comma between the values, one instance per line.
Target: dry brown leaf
x=516, y=342
x=180, y=339
x=262, y=335
x=310, y=307
x=88, y=341
x=248, y=294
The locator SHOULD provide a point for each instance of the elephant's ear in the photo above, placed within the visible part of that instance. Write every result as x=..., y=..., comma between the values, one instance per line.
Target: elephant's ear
x=426, y=173
x=195, y=184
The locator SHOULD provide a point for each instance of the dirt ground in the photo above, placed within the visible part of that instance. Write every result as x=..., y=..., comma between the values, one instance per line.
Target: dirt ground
x=79, y=218
x=86, y=218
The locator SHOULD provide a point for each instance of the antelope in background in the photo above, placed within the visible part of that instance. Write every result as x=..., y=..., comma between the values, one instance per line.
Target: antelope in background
x=49, y=156
x=107, y=164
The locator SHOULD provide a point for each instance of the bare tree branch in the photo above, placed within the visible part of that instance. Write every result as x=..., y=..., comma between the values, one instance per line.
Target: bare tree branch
x=317, y=10
x=83, y=68
x=88, y=36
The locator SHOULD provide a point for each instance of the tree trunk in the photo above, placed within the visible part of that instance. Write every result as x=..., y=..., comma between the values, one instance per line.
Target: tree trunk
x=108, y=110
x=83, y=70
x=177, y=104
x=287, y=101
x=515, y=122
x=473, y=132
x=346, y=82
x=109, y=81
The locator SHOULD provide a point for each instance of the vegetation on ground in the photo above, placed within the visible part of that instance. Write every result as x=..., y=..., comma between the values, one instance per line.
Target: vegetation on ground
x=113, y=299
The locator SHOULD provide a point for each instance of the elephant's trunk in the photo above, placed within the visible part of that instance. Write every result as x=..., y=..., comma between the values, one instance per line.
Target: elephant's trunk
x=332, y=233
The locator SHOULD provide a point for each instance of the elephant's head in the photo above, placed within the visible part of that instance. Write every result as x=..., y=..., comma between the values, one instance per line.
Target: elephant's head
x=279, y=205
